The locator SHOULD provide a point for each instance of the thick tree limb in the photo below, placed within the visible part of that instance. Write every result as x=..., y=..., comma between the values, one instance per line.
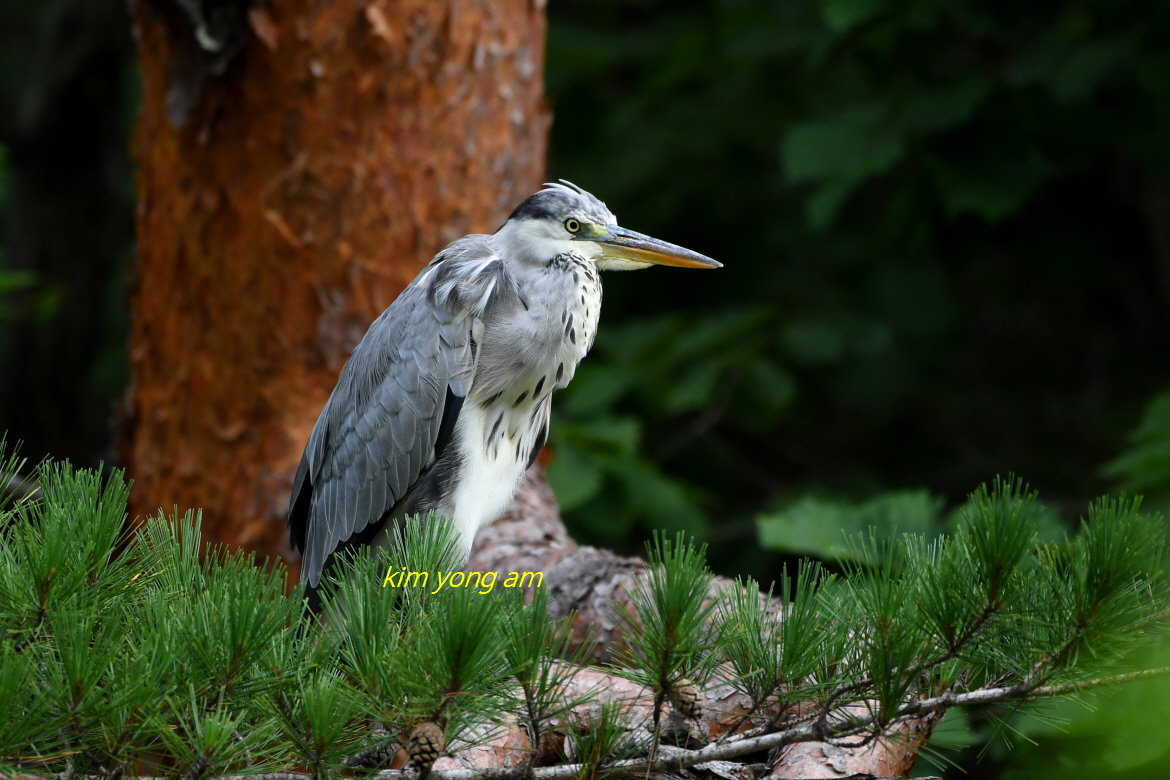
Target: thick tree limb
x=839, y=762
x=531, y=537
x=584, y=581
x=592, y=584
x=673, y=759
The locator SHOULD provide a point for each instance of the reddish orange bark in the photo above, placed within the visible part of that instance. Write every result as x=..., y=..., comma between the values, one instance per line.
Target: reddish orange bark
x=347, y=143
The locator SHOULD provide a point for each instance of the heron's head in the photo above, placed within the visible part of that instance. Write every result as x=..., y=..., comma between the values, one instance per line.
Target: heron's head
x=564, y=218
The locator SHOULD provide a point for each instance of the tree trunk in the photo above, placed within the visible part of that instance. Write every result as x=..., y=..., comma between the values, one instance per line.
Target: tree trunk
x=338, y=151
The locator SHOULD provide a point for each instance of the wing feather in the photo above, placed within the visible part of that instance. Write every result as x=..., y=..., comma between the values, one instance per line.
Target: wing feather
x=381, y=498
x=364, y=506
x=379, y=429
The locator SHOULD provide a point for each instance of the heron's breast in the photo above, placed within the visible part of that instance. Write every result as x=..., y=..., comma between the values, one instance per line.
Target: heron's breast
x=534, y=347
x=579, y=316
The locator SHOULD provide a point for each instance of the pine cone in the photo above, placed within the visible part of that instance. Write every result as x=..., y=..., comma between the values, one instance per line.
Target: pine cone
x=425, y=745
x=686, y=698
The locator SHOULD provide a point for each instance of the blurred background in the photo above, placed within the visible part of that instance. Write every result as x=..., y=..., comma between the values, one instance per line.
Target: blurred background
x=946, y=232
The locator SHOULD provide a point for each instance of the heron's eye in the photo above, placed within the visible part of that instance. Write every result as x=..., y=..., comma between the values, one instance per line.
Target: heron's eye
x=572, y=225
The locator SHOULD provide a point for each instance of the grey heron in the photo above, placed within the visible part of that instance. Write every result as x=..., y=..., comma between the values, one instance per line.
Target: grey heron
x=444, y=404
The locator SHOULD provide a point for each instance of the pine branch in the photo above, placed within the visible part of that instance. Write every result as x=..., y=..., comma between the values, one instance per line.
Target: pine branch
x=674, y=759
x=449, y=663
x=1024, y=691
x=678, y=758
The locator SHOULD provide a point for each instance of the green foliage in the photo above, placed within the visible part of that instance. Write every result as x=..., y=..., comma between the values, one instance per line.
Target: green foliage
x=916, y=616
x=41, y=731
x=668, y=630
x=539, y=652
x=366, y=627
x=1107, y=581
x=315, y=719
x=767, y=657
x=604, y=740
x=120, y=647
x=932, y=215
x=824, y=528
x=59, y=554
x=1113, y=734
x=207, y=743
x=598, y=469
x=983, y=564
x=453, y=657
x=1145, y=466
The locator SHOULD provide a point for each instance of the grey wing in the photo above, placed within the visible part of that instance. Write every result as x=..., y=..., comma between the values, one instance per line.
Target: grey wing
x=381, y=425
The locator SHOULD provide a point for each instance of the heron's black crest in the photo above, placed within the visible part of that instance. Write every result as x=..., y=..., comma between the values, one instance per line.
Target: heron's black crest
x=534, y=207
x=559, y=201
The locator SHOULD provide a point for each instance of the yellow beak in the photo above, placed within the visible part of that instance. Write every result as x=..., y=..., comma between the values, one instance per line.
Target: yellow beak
x=617, y=243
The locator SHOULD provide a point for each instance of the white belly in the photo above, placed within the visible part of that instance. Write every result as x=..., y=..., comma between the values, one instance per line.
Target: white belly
x=492, y=469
